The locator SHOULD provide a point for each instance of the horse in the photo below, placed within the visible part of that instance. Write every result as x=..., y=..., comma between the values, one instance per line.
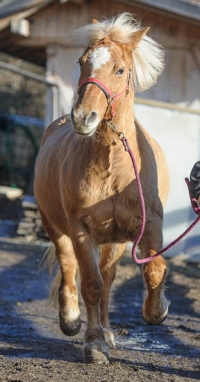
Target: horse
x=85, y=185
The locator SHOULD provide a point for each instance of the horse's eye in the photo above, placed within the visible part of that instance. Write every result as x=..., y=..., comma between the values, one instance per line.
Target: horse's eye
x=120, y=72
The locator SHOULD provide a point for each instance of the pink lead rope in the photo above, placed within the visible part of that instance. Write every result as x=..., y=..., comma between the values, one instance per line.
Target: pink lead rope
x=195, y=206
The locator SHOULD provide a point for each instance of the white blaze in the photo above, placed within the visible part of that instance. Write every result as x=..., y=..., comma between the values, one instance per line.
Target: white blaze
x=99, y=57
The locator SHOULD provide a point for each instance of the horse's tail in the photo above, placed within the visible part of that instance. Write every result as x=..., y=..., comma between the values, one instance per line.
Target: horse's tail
x=49, y=262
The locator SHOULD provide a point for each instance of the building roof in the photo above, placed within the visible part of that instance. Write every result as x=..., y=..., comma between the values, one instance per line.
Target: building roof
x=186, y=8
x=11, y=7
x=189, y=9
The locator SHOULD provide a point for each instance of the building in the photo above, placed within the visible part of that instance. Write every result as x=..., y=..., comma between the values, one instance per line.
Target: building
x=38, y=30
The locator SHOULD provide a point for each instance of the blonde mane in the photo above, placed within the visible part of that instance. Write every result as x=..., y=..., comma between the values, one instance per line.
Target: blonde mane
x=148, y=56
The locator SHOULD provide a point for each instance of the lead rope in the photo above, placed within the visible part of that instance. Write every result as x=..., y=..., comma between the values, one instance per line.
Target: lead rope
x=195, y=206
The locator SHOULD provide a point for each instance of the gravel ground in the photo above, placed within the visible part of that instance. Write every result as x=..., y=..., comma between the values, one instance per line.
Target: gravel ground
x=32, y=348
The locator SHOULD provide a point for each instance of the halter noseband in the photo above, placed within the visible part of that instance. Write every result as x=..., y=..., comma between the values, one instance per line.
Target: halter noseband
x=111, y=97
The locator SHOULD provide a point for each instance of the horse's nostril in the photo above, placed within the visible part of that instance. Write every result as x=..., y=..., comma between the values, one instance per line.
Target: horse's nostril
x=91, y=118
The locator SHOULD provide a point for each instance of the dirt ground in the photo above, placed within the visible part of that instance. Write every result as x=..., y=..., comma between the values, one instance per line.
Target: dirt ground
x=32, y=348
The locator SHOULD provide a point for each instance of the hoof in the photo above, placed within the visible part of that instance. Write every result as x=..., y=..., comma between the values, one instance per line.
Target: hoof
x=96, y=352
x=70, y=328
x=109, y=338
x=155, y=319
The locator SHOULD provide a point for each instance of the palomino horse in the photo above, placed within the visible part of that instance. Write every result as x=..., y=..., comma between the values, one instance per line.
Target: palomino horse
x=85, y=184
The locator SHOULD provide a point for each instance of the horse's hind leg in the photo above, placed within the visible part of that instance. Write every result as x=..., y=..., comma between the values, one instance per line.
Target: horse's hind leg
x=69, y=312
x=110, y=254
x=155, y=306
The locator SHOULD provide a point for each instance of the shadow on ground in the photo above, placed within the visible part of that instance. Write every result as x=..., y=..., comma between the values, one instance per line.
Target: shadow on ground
x=30, y=330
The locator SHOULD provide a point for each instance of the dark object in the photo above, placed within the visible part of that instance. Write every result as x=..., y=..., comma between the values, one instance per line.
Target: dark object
x=18, y=151
x=195, y=180
x=4, y=122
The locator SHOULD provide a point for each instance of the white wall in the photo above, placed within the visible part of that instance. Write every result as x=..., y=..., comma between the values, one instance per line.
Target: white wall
x=63, y=70
x=178, y=133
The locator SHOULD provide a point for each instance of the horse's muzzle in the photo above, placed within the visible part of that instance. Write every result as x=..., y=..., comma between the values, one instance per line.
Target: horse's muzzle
x=84, y=124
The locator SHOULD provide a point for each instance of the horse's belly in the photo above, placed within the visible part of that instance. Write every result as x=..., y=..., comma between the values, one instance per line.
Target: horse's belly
x=119, y=227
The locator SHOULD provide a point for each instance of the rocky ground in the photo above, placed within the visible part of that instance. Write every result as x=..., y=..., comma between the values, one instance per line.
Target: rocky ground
x=32, y=348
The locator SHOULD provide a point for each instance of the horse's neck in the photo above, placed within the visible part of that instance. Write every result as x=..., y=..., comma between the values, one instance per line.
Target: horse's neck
x=123, y=122
x=111, y=150
x=106, y=150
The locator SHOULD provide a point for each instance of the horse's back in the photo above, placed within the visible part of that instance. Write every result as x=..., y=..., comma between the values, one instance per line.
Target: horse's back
x=48, y=165
x=56, y=128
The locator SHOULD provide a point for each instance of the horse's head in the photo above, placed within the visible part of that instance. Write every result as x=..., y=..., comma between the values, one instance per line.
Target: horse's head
x=114, y=59
x=105, y=76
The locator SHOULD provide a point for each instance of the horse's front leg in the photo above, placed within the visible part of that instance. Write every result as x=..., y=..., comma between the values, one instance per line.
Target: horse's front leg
x=155, y=305
x=69, y=312
x=95, y=349
x=110, y=254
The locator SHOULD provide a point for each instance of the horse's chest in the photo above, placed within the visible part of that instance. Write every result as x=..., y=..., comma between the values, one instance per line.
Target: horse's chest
x=113, y=220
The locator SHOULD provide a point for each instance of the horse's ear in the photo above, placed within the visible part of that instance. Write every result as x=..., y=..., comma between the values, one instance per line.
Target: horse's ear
x=138, y=36
x=94, y=21
x=148, y=60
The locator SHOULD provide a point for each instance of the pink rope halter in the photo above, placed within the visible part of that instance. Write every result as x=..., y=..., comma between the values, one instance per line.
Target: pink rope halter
x=111, y=97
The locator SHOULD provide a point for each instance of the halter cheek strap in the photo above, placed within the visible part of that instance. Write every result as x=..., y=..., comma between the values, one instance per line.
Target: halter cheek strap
x=111, y=97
